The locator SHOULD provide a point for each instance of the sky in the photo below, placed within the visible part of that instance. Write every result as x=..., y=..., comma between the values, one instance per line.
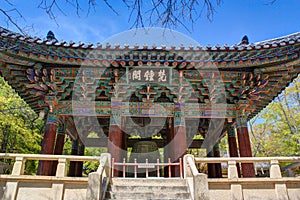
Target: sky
x=233, y=19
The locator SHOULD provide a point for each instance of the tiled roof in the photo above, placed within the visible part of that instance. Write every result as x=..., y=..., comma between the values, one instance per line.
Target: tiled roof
x=258, y=71
x=276, y=42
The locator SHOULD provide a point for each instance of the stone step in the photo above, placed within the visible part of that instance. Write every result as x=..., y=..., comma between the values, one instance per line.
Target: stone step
x=147, y=195
x=148, y=189
x=149, y=182
x=146, y=199
x=152, y=188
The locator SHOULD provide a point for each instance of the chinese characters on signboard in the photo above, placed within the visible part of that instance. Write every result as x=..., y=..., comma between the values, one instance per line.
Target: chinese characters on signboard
x=155, y=75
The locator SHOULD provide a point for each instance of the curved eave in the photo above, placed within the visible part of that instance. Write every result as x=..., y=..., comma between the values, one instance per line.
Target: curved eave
x=276, y=58
x=259, y=54
x=281, y=76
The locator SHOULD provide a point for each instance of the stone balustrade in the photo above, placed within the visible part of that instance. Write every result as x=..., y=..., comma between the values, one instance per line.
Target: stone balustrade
x=197, y=182
x=60, y=186
x=99, y=180
x=233, y=187
x=274, y=162
x=18, y=185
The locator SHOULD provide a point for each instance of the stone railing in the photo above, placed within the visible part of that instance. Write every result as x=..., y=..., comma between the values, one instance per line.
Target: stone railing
x=275, y=171
x=17, y=185
x=99, y=180
x=197, y=182
x=273, y=187
x=56, y=191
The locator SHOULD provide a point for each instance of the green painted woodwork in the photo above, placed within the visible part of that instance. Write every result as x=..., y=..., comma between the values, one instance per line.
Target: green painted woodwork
x=144, y=109
x=257, y=73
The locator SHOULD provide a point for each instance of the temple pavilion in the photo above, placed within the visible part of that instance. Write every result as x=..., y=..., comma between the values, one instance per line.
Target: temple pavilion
x=146, y=98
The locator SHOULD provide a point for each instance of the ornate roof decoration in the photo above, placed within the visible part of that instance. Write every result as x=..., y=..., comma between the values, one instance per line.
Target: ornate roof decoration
x=255, y=73
x=281, y=41
x=70, y=53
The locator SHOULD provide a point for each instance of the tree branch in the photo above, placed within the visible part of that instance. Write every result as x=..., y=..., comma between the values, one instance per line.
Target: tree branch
x=166, y=13
x=11, y=19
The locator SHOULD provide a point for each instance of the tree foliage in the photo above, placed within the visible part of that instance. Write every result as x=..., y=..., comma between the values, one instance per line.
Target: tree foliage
x=20, y=128
x=90, y=166
x=276, y=130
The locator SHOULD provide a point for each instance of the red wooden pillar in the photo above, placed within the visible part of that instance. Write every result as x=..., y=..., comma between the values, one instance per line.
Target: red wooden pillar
x=115, y=136
x=74, y=152
x=179, y=146
x=59, y=144
x=115, y=146
x=233, y=150
x=214, y=169
x=45, y=167
x=211, y=170
x=124, y=145
x=218, y=166
x=79, y=164
x=168, y=148
x=51, y=126
x=244, y=146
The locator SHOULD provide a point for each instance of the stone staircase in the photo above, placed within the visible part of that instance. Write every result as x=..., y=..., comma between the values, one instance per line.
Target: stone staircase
x=147, y=189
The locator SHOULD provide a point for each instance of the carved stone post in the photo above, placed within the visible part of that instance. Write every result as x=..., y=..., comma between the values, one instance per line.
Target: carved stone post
x=11, y=186
x=236, y=188
x=45, y=167
x=115, y=142
x=244, y=145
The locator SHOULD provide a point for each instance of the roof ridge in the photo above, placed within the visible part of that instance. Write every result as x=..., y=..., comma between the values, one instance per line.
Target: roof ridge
x=281, y=41
x=278, y=38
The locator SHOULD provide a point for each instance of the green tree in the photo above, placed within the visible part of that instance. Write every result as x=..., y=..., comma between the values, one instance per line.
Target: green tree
x=90, y=166
x=20, y=128
x=275, y=130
